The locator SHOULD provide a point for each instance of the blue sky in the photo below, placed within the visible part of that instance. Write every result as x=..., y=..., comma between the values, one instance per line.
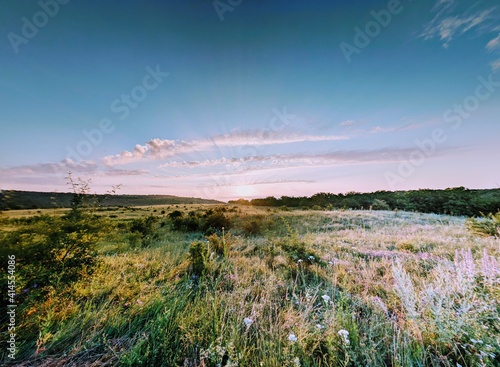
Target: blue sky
x=227, y=99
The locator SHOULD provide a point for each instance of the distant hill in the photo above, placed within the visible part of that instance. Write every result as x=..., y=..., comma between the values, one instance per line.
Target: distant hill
x=13, y=199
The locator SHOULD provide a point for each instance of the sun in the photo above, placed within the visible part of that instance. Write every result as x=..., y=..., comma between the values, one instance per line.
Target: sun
x=244, y=191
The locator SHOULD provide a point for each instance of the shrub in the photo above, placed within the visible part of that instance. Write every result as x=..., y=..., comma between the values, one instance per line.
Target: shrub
x=175, y=214
x=216, y=221
x=221, y=244
x=252, y=227
x=54, y=251
x=199, y=255
x=211, y=221
x=487, y=225
x=380, y=205
x=145, y=228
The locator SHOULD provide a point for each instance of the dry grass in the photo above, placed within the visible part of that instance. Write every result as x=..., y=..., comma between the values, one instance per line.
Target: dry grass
x=409, y=289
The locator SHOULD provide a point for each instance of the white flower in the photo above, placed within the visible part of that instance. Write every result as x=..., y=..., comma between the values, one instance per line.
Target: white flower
x=330, y=262
x=296, y=361
x=326, y=298
x=320, y=327
x=311, y=258
x=248, y=321
x=292, y=338
x=299, y=261
x=345, y=335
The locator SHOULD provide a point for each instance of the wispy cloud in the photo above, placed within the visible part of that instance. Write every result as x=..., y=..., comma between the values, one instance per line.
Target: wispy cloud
x=449, y=23
x=348, y=123
x=337, y=158
x=154, y=149
x=446, y=26
x=494, y=44
x=269, y=137
x=380, y=129
x=65, y=166
x=495, y=65
x=405, y=127
x=157, y=149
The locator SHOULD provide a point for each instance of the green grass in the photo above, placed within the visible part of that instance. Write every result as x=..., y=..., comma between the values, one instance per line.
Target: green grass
x=409, y=289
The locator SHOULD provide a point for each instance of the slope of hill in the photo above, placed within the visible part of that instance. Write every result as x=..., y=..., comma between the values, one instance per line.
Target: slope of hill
x=12, y=199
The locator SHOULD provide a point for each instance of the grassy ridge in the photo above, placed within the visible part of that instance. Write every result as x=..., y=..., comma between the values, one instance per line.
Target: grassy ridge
x=12, y=199
x=297, y=288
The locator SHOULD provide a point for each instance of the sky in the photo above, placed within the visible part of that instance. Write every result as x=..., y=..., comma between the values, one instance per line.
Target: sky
x=232, y=99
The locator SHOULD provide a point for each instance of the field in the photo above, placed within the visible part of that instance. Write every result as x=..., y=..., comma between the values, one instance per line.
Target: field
x=226, y=285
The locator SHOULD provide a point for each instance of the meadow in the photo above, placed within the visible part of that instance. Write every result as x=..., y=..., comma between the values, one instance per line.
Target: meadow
x=228, y=285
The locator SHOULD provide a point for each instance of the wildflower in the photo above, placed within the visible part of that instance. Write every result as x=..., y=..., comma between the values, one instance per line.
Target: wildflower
x=292, y=338
x=345, y=336
x=296, y=361
x=326, y=298
x=320, y=327
x=248, y=321
x=330, y=262
x=299, y=261
x=311, y=258
x=139, y=302
x=381, y=304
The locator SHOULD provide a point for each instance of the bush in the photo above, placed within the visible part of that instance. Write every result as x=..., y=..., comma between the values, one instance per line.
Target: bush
x=221, y=244
x=252, y=227
x=380, y=205
x=54, y=251
x=216, y=221
x=145, y=229
x=175, y=214
x=199, y=255
x=487, y=225
x=209, y=222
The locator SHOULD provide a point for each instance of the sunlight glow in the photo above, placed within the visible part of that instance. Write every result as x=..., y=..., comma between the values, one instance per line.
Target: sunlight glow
x=244, y=191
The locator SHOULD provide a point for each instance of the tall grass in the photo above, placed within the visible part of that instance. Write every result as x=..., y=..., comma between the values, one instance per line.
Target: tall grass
x=307, y=289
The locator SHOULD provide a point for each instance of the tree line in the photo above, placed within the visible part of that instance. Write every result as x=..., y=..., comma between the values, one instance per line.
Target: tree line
x=455, y=201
